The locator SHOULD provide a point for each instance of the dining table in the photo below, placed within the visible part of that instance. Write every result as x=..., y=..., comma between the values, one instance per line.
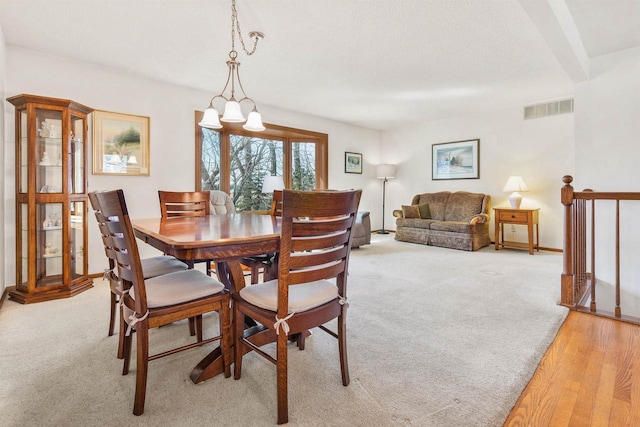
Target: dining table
x=225, y=239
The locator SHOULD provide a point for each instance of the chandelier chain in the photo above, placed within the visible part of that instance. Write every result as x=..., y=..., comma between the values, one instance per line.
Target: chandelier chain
x=235, y=23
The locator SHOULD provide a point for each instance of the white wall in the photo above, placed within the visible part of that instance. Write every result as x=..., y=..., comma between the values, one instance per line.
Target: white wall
x=607, y=159
x=3, y=205
x=540, y=150
x=171, y=111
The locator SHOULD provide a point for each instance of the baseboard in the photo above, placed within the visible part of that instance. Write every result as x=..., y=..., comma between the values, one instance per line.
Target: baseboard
x=542, y=248
x=5, y=293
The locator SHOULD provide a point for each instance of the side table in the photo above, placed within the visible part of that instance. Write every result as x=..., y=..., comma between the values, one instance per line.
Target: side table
x=528, y=217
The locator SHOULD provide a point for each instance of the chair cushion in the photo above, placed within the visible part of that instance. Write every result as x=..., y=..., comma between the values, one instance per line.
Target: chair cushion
x=302, y=297
x=178, y=287
x=159, y=265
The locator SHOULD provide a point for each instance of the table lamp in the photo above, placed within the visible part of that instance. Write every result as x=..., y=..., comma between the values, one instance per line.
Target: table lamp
x=515, y=184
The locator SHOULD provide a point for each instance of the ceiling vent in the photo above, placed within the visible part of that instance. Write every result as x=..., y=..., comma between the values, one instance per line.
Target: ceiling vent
x=548, y=109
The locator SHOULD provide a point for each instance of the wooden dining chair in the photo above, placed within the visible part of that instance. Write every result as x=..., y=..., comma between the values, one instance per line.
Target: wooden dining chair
x=311, y=288
x=151, y=267
x=150, y=303
x=177, y=203
x=187, y=203
x=265, y=262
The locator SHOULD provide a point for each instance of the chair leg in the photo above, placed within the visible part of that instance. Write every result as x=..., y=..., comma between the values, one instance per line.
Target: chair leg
x=126, y=352
x=121, y=331
x=198, y=325
x=142, y=361
x=225, y=342
x=238, y=326
x=112, y=318
x=255, y=271
x=342, y=347
x=192, y=326
x=282, y=383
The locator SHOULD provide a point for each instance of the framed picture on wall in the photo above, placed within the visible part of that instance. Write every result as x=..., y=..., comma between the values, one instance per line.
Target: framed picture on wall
x=456, y=160
x=352, y=162
x=120, y=144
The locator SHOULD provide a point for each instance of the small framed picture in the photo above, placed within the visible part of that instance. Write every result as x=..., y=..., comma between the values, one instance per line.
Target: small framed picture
x=120, y=144
x=456, y=160
x=352, y=162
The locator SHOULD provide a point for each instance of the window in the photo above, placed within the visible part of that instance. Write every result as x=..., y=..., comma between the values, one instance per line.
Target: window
x=236, y=161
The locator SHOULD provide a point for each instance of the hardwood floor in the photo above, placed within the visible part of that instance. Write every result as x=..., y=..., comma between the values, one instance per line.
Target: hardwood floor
x=590, y=376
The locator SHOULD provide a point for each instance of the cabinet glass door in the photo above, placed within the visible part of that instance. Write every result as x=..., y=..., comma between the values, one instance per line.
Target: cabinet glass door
x=76, y=240
x=49, y=151
x=76, y=149
x=24, y=152
x=49, y=244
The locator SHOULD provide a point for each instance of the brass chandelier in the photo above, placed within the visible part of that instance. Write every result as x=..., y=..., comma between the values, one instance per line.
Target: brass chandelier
x=232, y=110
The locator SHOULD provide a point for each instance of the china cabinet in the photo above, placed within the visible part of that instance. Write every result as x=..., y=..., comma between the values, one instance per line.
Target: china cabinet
x=51, y=198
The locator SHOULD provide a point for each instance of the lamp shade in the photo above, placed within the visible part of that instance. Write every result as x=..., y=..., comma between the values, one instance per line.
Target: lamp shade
x=210, y=119
x=232, y=113
x=515, y=183
x=386, y=171
x=272, y=183
x=132, y=160
x=254, y=122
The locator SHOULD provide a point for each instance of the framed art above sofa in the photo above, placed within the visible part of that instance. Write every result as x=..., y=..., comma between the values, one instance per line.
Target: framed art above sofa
x=456, y=160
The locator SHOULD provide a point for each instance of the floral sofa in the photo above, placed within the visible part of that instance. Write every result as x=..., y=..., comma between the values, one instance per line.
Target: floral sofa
x=457, y=220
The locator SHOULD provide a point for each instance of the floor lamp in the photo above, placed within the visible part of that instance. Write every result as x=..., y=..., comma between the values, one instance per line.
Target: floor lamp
x=385, y=172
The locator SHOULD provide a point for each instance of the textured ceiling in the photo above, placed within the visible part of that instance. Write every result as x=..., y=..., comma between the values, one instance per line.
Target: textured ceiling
x=374, y=63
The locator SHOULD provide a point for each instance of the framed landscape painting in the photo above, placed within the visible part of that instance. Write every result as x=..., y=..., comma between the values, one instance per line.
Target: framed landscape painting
x=352, y=162
x=456, y=160
x=120, y=144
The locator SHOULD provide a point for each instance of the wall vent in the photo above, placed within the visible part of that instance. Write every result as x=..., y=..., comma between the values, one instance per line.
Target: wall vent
x=548, y=109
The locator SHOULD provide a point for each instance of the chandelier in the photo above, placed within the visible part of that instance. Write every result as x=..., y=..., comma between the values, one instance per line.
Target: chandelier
x=232, y=110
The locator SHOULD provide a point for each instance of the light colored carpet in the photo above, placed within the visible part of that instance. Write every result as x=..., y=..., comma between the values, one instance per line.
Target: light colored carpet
x=437, y=337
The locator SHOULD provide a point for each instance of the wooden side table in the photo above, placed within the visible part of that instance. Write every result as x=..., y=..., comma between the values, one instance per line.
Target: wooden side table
x=528, y=217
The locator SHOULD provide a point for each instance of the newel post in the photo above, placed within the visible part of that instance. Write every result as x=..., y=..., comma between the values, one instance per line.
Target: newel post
x=566, y=284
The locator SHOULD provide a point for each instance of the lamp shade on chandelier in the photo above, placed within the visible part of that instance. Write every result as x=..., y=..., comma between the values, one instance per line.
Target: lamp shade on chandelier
x=232, y=108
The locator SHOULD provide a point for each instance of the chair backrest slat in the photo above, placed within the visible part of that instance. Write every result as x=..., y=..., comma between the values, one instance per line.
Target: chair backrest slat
x=174, y=203
x=276, y=203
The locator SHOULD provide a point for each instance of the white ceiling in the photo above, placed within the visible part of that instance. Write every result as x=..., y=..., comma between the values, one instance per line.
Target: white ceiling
x=374, y=63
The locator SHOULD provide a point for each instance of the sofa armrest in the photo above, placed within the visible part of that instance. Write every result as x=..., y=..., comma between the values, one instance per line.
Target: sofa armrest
x=479, y=219
x=398, y=213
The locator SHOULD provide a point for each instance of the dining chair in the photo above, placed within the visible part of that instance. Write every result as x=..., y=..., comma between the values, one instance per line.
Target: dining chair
x=151, y=267
x=178, y=203
x=187, y=203
x=150, y=303
x=265, y=262
x=311, y=288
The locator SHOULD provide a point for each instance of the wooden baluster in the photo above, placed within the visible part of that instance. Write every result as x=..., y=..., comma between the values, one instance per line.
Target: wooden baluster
x=566, y=281
x=592, y=306
x=618, y=312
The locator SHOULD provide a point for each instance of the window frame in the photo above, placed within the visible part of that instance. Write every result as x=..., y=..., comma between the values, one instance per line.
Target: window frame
x=282, y=133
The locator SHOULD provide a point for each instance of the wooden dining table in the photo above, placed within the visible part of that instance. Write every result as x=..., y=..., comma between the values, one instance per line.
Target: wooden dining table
x=222, y=238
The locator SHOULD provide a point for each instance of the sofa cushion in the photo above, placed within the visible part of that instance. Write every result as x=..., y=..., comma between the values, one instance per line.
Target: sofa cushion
x=436, y=202
x=453, y=226
x=414, y=222
x=462, y=206
x=410, y=211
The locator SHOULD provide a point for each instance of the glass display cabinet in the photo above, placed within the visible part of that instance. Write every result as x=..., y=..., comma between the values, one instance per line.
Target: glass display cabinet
x=51, y=198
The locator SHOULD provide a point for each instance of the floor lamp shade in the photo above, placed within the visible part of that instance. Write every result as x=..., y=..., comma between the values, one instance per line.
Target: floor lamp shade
x=385, y=172
x=272, y=183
